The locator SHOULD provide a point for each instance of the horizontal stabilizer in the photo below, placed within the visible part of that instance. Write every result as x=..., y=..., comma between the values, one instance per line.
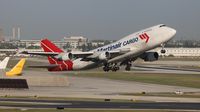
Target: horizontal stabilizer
x=44, y=66
x=40, y=53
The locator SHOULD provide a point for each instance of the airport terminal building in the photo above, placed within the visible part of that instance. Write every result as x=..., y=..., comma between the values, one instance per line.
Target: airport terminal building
x=179, y=52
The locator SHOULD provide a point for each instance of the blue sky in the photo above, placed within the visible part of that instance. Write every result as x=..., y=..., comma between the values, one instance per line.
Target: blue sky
x=98, y=19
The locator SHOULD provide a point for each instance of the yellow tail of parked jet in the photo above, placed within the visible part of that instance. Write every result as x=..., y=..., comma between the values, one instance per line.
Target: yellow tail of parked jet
x=17, y=69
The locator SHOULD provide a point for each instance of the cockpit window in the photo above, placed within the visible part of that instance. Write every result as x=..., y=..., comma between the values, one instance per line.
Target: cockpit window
x=162, y=26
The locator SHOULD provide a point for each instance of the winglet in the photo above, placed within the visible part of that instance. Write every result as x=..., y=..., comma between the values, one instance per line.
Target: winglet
x=17, y=69
x=3, y=64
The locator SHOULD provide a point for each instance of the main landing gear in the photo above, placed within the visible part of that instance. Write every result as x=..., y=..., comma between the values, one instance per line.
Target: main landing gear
x=106, y=67
x=114, y=67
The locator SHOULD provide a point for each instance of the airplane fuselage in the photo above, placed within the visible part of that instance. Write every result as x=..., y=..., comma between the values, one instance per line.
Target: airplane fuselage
x=137, y=43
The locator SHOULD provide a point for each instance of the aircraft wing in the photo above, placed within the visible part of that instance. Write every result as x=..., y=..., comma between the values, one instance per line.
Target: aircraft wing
x=41, y=53
x=80, y=54
x=95, y=55
x=134, y=52
x=77, y=54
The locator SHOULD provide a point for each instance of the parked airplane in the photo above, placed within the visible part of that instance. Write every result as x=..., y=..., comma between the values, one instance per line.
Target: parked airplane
x=4, y=63
x=121, y=52
x=17, y=69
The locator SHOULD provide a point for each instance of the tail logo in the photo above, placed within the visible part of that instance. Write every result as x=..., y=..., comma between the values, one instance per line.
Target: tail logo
x=144, y=37
x=48, y=46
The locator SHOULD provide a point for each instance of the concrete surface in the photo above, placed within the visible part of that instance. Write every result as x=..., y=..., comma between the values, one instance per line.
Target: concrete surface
x=100, y=88
x=41, y=78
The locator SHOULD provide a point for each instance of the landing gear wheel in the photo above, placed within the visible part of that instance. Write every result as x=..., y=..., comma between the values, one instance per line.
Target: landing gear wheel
x=163, y=51
x=106, y=69
x=115, y=68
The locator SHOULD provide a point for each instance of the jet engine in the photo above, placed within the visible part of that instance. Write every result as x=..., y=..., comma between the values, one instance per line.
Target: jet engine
x=104, y=56
x=150, y=56
x=64, y=56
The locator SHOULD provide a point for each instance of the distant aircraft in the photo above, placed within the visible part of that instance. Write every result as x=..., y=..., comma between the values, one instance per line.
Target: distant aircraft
x=17, y=69
x=111, y=56
x=4, y=63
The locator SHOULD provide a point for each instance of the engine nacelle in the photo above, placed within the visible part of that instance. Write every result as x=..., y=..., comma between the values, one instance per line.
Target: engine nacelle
x=104, y=56
x=150, y=56
x=64, y=56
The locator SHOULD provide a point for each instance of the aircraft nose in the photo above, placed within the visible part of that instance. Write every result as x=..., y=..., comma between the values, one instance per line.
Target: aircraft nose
x=173, y=31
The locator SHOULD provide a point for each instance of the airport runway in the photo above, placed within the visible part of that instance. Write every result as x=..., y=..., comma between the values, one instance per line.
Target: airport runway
x=163, y=69
x=173, y=63
x=170, y=62
x=167, y=66
x=80, y=87
x=97, y=104
x=87, y=87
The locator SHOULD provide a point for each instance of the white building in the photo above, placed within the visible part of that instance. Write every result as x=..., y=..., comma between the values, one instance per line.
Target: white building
x=180, y=51
x=96, y=43
x=76, y=41
x=28, y=43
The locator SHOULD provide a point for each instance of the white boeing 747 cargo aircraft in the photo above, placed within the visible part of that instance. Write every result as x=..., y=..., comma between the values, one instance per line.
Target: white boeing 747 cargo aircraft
x=112, y=56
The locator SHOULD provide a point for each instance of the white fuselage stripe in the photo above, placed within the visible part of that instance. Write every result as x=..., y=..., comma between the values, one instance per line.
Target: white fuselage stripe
x=65, y=64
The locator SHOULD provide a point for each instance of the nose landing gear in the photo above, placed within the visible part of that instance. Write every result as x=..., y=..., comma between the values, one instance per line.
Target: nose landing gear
x=163, y=51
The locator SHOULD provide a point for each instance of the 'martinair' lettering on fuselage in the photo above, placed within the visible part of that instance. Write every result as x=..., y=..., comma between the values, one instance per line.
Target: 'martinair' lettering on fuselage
x=119, y=44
